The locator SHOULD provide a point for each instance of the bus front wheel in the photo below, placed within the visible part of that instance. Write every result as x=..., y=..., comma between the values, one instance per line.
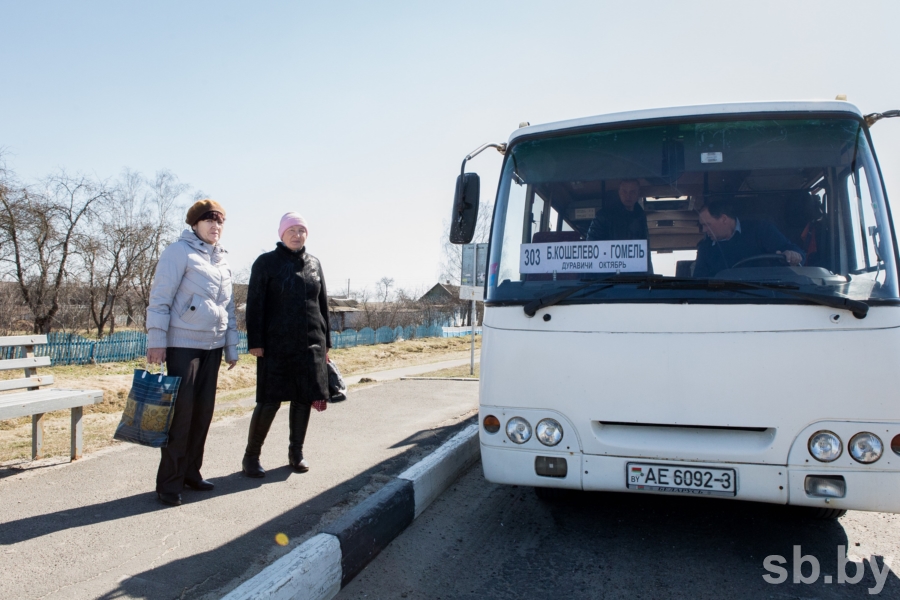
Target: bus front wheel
x=820, y=514
x=550, y=494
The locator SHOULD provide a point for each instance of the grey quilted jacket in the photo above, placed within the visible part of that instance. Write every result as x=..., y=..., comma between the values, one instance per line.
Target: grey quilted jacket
x=191, y=301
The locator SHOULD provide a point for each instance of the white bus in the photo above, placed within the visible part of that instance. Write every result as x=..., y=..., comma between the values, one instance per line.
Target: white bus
x=693, y=301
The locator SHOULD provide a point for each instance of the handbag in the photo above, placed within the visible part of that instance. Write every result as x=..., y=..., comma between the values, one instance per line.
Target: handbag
x=149, y=409
x=336, y=386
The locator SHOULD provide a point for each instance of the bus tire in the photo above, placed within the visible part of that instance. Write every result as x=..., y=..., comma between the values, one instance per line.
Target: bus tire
x=550, y=494
x=820, y=514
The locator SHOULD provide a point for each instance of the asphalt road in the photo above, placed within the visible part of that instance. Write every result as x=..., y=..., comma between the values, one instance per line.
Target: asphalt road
x=94, y=528
x=484, y=541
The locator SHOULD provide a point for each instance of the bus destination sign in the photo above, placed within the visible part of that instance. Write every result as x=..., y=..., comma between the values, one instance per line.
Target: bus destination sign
x=610, y=256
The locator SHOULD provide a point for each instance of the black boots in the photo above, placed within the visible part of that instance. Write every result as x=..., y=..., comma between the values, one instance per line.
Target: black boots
x=251, y=467
x=260, y=422
x=299, y=423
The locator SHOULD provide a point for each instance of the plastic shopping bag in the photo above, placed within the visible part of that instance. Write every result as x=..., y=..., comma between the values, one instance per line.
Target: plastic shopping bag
x=336, y=386
x=148, y=410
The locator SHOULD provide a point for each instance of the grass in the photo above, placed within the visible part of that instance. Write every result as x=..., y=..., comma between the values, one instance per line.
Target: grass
x=114, y=379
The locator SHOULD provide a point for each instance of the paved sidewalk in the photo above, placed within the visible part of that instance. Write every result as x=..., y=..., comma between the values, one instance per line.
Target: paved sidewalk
x=376, y=376
x=410, y=371
x=94, y=529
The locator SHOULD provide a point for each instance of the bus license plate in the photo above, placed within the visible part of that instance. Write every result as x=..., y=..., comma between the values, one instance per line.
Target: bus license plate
x=681, y=479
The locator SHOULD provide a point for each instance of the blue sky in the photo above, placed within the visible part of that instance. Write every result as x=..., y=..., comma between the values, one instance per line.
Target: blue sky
x=357, y=114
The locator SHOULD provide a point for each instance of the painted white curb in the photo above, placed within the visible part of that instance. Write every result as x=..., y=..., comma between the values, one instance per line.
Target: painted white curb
x=310, y=571
x=433, y=474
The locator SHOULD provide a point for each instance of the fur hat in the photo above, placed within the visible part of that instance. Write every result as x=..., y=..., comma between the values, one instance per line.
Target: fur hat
x=200, y=208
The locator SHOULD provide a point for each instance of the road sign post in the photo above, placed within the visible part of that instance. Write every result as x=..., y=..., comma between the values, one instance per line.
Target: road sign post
x=474, y=269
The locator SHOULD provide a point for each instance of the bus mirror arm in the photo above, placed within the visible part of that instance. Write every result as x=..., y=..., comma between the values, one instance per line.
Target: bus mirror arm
x=466, y=199
x=501, y=148
x=873, y=118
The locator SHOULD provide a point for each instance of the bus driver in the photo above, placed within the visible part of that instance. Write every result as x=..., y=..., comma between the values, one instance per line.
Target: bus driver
x=730, y=240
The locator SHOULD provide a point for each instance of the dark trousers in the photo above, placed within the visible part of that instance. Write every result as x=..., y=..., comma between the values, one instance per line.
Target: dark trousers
x=194, y=406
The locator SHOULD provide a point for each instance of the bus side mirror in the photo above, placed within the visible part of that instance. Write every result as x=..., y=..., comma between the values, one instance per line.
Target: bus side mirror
x=465, y=208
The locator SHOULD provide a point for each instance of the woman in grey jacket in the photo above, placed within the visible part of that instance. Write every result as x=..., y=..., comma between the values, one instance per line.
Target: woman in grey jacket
x=190, y=320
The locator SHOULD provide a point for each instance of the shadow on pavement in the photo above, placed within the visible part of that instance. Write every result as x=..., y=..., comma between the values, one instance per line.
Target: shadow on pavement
x=211, y=571
x=425, y=434
x=122, y=508
x=673, y=544
x=22, y=466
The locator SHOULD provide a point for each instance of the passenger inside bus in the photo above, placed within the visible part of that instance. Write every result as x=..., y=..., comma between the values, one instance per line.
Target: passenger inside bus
x=622, y=219
x=730, y=242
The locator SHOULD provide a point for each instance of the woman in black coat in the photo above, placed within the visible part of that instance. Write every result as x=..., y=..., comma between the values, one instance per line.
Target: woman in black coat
x=288, y=332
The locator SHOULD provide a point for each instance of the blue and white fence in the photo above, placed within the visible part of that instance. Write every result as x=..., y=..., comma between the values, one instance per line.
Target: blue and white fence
x=73, y=349
x=383, y=335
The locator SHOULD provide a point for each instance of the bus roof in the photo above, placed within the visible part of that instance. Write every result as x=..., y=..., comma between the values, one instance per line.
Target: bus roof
x=700, y=110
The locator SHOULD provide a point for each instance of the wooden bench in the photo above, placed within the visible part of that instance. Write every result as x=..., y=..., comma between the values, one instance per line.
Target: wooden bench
x=34, y=401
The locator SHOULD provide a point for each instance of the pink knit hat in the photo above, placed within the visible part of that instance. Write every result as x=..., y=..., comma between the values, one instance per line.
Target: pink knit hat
x=289, y=220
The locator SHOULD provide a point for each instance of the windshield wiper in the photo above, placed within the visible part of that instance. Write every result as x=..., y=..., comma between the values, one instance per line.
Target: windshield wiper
x=535, y=305
x=857, y=308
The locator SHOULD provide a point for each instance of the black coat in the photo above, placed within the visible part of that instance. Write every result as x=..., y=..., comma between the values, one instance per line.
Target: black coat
x=753, y=239
x=287, y=316
x=616, y=223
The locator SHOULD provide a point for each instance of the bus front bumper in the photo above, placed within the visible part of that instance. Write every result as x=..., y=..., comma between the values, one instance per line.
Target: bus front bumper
x=776, y=484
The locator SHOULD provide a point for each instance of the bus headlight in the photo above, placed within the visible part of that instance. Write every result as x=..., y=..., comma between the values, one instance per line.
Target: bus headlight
x=549, y=432
x=518, y=430
x=865, y=447
x=825, y=446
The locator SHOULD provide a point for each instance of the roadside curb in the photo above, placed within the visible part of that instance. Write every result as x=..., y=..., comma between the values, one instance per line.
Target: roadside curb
x=321, y=566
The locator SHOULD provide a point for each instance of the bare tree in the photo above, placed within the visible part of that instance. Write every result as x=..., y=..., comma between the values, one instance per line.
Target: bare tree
x=401, y=309
x=115, y=247
x=383, y=289
x=76, y=249
x=164, y=192
x=39, y=228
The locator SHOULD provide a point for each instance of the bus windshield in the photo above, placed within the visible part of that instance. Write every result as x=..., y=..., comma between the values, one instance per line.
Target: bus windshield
x=786, y=208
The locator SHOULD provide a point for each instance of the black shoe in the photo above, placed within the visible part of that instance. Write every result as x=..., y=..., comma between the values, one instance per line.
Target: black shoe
x=251, y=467
x=201, y=485
x=298, y=463
x=170, y=499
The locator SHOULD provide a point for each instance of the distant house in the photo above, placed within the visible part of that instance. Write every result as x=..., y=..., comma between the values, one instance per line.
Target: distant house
x=342, y=312
x=444, y=305
x=441, y=293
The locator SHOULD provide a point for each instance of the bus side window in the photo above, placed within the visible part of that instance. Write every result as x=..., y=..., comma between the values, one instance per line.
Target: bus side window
x=516, y=225
x=862, y=218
